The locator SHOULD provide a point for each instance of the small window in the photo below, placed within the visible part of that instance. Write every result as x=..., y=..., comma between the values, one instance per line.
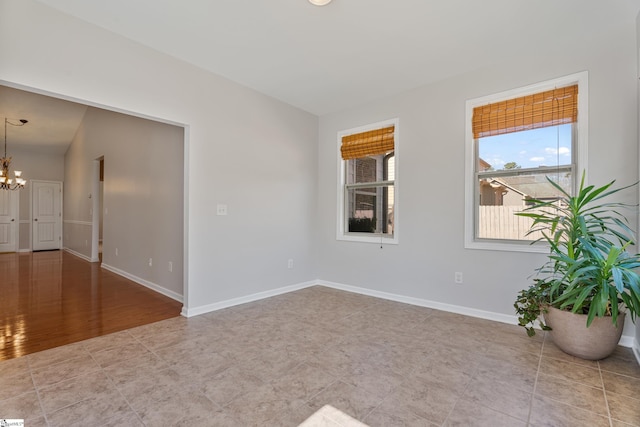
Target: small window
x=515, y=141
x=368, y=182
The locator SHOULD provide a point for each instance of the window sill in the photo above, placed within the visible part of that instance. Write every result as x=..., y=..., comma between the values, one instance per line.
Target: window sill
x=508, y=246
x=362, y=238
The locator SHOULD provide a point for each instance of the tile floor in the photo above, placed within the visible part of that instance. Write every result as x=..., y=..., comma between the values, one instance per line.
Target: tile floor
x=275, y=362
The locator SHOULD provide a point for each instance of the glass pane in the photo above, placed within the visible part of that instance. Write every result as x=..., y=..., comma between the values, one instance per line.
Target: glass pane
x=370, y=169
x=370, y=210
x=501, y=197
x=550, y=146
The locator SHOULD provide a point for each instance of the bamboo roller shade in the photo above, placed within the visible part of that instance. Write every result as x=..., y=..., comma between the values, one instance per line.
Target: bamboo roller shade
x=549, y=108
x=370, y=143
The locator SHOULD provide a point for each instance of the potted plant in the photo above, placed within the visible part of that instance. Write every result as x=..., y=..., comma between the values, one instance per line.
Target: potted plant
x=589, y=280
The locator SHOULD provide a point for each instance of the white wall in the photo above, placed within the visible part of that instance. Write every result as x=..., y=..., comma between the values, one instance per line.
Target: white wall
x=244, y=149
x=143, y=195
x=431, y=175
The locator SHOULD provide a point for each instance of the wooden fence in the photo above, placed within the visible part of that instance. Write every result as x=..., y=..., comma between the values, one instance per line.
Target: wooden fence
x=500, y=222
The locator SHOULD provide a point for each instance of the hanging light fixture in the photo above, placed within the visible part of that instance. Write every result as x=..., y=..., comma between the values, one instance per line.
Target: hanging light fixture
x=319, y=2
x=6, y=182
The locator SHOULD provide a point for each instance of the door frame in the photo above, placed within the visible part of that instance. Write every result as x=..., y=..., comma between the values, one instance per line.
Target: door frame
x=95, y=210
x=177, y=121
x=59, y=222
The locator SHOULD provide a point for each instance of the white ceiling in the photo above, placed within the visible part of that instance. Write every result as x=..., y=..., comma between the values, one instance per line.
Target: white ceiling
x=325, y=59
x=345, y=54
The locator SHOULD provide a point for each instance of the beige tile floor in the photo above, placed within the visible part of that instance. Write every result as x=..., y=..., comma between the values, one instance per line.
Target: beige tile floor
x=276, y=361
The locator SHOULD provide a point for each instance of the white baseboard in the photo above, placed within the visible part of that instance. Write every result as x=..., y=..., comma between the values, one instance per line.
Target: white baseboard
x=625, y=340
x=78, y=254
x=498, y=317
x=143, y=282
x=189, y=312
x=348, y=288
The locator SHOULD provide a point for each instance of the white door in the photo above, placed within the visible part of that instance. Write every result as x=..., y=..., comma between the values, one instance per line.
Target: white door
x=8, y=220
x=46, y=208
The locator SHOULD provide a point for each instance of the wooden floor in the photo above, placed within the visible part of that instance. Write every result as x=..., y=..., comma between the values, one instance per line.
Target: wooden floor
x=48, y=299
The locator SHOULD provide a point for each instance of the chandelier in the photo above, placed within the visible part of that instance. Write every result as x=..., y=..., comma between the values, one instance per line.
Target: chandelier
x=6, y=183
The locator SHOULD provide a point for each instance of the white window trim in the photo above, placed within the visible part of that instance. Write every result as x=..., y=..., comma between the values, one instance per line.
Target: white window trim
x=341, y=233
x=580, y=146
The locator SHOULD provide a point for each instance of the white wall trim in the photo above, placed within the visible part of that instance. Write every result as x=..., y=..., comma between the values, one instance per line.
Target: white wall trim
x=189, y=312
x=145, y=283
x=95, y=209
x=77, y=222
x=498, y=317
x=84, y=224
x=625, y=340
x=78, y=254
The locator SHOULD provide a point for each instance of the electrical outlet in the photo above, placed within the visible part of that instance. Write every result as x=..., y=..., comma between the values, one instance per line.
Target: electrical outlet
x=221, y=209
x=290, y=263
x=457, y=277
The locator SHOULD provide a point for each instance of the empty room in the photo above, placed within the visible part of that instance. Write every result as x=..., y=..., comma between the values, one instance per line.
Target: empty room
x=312, y=212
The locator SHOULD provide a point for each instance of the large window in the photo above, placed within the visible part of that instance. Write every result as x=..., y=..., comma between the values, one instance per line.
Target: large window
x=367, y=196
x=516, y=142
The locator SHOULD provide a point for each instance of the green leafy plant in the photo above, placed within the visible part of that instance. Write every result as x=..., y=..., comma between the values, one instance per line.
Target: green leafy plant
x=589, y=269
x=530, y=305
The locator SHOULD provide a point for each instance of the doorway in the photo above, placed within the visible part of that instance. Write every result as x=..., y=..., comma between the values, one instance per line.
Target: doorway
x=97, y=209
x=78, y=227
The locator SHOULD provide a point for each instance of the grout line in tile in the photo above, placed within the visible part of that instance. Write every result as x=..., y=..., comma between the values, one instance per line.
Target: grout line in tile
x=33, y=382
x=595, y=414
x=475, y=372
x=606, y=400
x=121, y=395
x=535, y=383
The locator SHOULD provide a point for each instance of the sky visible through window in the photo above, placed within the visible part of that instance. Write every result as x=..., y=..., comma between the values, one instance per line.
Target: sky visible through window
x=549, y=146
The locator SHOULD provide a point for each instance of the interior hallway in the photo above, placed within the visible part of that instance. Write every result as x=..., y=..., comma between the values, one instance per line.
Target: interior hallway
x=49, y=299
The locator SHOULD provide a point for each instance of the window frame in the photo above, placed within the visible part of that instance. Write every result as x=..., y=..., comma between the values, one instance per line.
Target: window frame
x=341, y=232
x=579, y=157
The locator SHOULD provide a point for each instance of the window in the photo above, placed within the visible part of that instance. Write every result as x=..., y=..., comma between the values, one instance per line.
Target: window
x=515, y=141
x=367, y=205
